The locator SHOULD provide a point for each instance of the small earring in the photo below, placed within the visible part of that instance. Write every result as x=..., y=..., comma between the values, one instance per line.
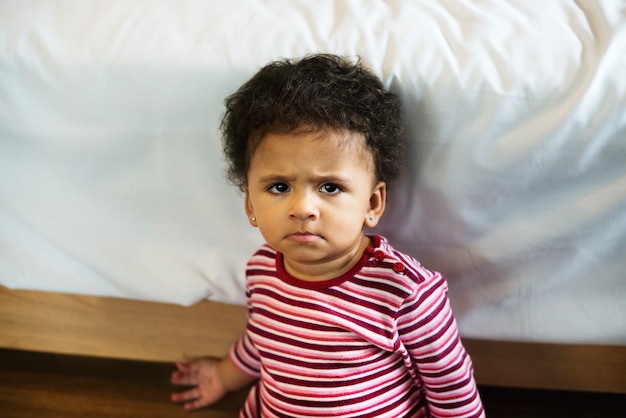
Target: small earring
x=371, y=219
x=253, y=219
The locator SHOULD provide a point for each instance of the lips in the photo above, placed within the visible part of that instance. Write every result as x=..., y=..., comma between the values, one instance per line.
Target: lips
x=304, y=237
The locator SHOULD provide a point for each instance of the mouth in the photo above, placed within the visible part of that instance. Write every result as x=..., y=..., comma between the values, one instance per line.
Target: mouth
x=304, y=237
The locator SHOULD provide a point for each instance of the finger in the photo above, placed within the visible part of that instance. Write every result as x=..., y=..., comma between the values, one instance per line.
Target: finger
x=183, y=380
x=185, y=375
x=197, y=404
x=187, y=395
x=183, y=367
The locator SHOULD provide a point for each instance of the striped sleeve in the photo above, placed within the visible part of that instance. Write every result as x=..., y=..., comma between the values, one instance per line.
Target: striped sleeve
x=429, y=332
x=245, y=356
x=243, y=353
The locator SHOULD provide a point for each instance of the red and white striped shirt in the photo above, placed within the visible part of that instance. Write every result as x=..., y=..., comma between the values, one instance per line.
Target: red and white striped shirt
x=379, y=341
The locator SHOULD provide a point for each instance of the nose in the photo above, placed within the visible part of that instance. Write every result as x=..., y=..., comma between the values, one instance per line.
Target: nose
x=303, y=205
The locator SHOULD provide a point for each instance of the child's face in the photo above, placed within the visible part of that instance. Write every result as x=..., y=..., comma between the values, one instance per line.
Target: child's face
x=311, y=194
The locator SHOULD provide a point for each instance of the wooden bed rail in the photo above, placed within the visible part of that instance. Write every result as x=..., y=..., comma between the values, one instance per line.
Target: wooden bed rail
x=138, y=330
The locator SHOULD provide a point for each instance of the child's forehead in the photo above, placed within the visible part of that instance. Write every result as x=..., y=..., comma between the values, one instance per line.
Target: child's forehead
x=327, y=150
x=327, y=138
x=349, y=146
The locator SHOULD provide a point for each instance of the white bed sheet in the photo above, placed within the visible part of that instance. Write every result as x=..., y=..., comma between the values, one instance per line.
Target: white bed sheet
x=111, y=176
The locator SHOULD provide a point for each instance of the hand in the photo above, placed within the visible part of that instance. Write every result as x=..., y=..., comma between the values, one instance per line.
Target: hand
x=203, y=375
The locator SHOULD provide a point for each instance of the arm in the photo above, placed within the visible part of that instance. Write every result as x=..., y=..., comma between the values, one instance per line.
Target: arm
x=429, y=332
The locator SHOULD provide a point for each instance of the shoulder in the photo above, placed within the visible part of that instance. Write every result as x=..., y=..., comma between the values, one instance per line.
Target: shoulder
x=263, y=258
x=400, y=270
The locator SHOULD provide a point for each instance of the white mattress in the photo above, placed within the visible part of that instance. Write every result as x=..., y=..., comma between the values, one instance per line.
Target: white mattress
x=111, y=176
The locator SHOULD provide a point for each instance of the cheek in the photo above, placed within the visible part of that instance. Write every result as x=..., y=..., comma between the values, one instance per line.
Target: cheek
x=269, y=217
x=257, y=202
x=350, y=216
x=264, y=226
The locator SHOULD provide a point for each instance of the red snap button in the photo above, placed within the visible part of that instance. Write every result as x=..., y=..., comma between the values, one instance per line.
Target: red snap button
x=379, y=255
x=398, y=267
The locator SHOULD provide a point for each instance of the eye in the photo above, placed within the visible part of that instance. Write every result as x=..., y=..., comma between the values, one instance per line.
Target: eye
x=330, y=188
x=279, y=188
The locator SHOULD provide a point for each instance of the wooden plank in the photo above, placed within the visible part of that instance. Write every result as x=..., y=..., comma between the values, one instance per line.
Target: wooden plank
x=130, y=329
x=61, y=386
x=116, y=328
x=591, y=368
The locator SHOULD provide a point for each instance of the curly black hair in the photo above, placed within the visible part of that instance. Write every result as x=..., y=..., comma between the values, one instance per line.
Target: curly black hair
x=314, y=93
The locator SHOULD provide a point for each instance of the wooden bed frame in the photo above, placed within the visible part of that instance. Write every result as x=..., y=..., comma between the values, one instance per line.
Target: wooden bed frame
x=138, y=330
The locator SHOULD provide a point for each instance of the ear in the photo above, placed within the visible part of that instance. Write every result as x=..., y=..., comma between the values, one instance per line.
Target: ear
x=377, y=205
x=249, y=208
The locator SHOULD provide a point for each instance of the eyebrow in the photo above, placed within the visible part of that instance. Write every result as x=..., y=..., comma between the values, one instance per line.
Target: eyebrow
x=276, y=178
